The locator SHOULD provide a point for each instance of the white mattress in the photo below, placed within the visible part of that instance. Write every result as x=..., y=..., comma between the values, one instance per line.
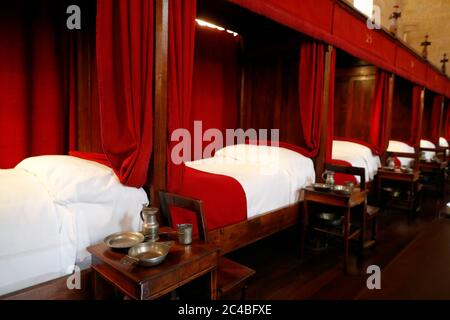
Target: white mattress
x=271, y=177
x=444, y=143
x=398, y=146
x=358, y=156
x=43, y=237
x=428, y=144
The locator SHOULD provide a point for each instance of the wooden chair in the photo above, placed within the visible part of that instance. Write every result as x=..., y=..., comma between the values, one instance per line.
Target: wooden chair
x=371, y=211
x=231, y=276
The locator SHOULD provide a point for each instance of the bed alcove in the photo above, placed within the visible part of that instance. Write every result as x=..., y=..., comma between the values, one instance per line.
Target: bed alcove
x=266, y=98
x=361, y=113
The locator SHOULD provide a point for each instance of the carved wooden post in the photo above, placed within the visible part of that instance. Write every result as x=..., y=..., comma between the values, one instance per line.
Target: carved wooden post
x=321, y=155
x=158, y=164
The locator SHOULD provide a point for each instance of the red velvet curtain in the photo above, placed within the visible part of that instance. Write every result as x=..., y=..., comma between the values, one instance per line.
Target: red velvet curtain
x=182, y=23
x=380, y=112
x=311, y=79
x=33, y=112
x=216, y=81
x=446, y=131
x=416, y=131
x=435, y=123
x=125, y=74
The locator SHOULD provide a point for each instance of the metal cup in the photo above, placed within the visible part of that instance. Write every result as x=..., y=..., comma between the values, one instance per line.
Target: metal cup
x=184, y=233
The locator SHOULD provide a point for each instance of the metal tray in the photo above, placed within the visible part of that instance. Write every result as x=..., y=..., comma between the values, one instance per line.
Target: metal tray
x=124, y=240
x=321, y=187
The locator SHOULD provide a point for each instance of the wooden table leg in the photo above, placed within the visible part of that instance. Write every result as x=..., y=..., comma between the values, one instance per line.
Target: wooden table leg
x=213, y=275
x=346, y=238
x=363, y=226
x=303, y=228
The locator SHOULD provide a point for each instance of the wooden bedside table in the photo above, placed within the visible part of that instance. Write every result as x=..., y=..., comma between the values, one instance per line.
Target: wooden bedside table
x=356, y=198
x=183, y=264
x=410, y=182
x=436, y=170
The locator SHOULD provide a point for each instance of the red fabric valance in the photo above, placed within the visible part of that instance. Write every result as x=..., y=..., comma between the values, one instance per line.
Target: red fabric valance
x=311, y=17
x=125, y=77
x=435, y=81
x=409, y=67
x=351, y=34
x=182, y=16
x=311, y=80
x=380, y=112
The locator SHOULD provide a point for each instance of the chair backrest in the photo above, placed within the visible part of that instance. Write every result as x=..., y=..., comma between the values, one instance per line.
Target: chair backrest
x=354, y=171
x=170, y=200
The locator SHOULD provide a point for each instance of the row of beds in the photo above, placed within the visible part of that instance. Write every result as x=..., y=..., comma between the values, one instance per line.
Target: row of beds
x=53, y=207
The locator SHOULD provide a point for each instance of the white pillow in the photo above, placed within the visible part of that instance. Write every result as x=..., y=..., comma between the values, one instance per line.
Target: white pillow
x=398, y=146
x=443, y=142
x=428, y=144
x=70, y=179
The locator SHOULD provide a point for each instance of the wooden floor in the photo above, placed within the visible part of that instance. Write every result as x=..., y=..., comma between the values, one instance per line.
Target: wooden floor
x=280, y=274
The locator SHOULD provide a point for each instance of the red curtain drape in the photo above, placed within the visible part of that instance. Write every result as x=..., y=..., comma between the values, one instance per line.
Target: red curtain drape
x=125, y=73
x=216, y=81
x=416, y=132
x=33, y=112
x=182, y=24
x=435, y=122
x=311, y=80
x=446, y=125
x=380, y=112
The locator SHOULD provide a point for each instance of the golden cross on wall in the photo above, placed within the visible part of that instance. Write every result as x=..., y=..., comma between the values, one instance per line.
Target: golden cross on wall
x=425, y=45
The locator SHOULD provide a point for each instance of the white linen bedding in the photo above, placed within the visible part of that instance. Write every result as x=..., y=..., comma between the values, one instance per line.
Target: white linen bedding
x=271, y=177
x=428, y=154
x=43, y=232
x=398, y=146
x=358, y=156
x=444, y=144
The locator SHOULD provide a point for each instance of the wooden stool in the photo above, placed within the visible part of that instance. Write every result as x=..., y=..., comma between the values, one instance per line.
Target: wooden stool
x=231, y=276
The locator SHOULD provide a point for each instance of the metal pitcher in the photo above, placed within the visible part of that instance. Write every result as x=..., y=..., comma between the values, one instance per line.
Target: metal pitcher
x=328, y=177
x=150, y=225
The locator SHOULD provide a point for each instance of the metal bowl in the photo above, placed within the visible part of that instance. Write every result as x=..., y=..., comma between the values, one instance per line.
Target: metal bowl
x=150, y=254
x=321, y=187
x=342, y=190
x=124, y=240
x=330, y=219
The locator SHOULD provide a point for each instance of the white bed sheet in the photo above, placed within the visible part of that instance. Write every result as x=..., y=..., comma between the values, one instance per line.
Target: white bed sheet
x=42, y=239
x=269, y=182
x=398, y=146
x=358, y=156
x=428, y=154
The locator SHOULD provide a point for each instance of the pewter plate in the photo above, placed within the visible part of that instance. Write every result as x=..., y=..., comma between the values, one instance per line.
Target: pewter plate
x=124, y=240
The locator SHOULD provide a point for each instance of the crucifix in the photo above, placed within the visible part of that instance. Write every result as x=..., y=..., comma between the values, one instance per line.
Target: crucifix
x=444, y=61
x=393, y=27
x=425, y=45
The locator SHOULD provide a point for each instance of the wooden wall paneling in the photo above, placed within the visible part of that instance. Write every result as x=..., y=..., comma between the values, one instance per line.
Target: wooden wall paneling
x=354, y=92
x=401, y=110
x=270, y=89
x=157, y=169
x=319, y=163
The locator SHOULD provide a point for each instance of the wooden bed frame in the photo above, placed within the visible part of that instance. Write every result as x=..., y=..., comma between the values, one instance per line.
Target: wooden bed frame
x=237, y=235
